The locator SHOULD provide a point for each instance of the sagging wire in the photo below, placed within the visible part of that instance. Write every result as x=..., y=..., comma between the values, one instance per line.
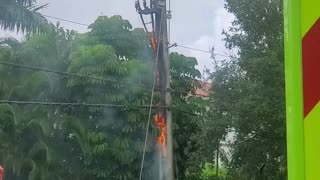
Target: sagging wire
x=169, y=28
x=138, y=9
x=87, y=77
x=67, y=74
x=75, y=104
x=152, y=20
x=138, y=5
x=84, y=104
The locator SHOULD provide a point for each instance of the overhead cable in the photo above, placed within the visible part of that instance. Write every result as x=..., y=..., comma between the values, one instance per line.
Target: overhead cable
x=75, y=104
x=87, y=77
x=175, y=44
x=84, y=104
x=65, y=73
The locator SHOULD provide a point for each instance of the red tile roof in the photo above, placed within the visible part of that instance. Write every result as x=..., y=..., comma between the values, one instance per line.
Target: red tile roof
x=204, y=89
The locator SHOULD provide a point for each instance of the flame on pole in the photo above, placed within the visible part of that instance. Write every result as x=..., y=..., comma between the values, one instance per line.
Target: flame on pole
x=160, y=122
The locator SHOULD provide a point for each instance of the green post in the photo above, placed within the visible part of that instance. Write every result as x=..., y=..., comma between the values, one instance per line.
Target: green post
x=294, y=90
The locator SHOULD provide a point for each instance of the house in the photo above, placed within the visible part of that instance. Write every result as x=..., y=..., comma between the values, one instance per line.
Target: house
x=203, y=90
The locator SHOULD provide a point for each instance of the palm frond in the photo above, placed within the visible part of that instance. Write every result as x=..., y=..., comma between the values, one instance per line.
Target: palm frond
x=39, y=154
x=22, y=16
x=26, y=2
x=80, y=133
x=10, y=42
x=7, y=119
x=41, y=124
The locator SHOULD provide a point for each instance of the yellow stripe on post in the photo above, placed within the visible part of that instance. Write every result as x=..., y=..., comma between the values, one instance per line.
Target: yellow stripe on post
x=310, y=38
x=309, y=14
x=312, y=143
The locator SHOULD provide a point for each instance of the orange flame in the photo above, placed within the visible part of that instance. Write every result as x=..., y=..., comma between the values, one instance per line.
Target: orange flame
x=153, y=42
x=160, y=122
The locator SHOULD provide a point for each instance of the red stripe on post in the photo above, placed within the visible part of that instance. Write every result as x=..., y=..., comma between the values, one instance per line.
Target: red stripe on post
x=311, y=67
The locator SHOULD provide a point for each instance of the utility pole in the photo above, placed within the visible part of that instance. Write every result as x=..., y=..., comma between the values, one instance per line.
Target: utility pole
x=158, y=11
x=164, y=77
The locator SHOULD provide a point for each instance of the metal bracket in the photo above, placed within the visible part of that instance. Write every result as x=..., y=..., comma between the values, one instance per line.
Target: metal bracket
x=161, y=3
x=147, y=10
x=173, y=45
x=169, y=15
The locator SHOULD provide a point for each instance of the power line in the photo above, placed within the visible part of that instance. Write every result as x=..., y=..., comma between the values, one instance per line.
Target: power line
x=170, y=16
x=188, y=112
x=94, y=105
x=186, y=47
x=83, y=76
x=75, y=104
x=65, y=73
x=66, y=20
x=177, y=45
x=200, y=50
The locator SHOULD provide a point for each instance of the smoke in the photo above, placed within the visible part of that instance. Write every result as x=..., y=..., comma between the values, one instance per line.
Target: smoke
x=159, y=168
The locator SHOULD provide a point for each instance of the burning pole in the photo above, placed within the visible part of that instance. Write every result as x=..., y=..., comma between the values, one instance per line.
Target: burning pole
x=164, y=117
x=163, y=120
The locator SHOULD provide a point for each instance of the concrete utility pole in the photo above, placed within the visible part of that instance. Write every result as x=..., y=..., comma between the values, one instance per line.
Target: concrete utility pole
x=158, y=11
x=164, y=77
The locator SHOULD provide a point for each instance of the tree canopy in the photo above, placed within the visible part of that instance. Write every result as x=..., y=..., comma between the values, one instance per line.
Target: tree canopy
x=86, y=142
x=248, y=98
x=22, y=15
x=73, y=105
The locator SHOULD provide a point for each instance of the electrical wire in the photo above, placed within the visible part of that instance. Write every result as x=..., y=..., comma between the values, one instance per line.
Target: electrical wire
x=65, y=73
x=152, y=20
x=87, y=77
x=94, y=105
x=177, y=45
x=200, y=50
x=169, y=28
x=188, y=112
x=65, y=20
x=76, y=104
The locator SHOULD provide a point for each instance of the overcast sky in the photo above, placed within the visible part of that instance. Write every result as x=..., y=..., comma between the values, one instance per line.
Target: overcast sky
x=195, y=23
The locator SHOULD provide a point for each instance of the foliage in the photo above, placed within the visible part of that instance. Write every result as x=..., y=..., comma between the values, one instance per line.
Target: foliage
x=184, y=74
x=87, y=142
x=22, y=15
x=260, y=147
x=248, y=99
x=248, y=96
x=90, y=142
x=209, y=173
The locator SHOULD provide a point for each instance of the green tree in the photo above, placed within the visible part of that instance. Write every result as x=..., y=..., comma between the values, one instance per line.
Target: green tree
x=253, y=98
x=184, y=77
x=27, y=151
x=22, y=15
x=248, y=97
x=88, y=142
x=113, y=137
